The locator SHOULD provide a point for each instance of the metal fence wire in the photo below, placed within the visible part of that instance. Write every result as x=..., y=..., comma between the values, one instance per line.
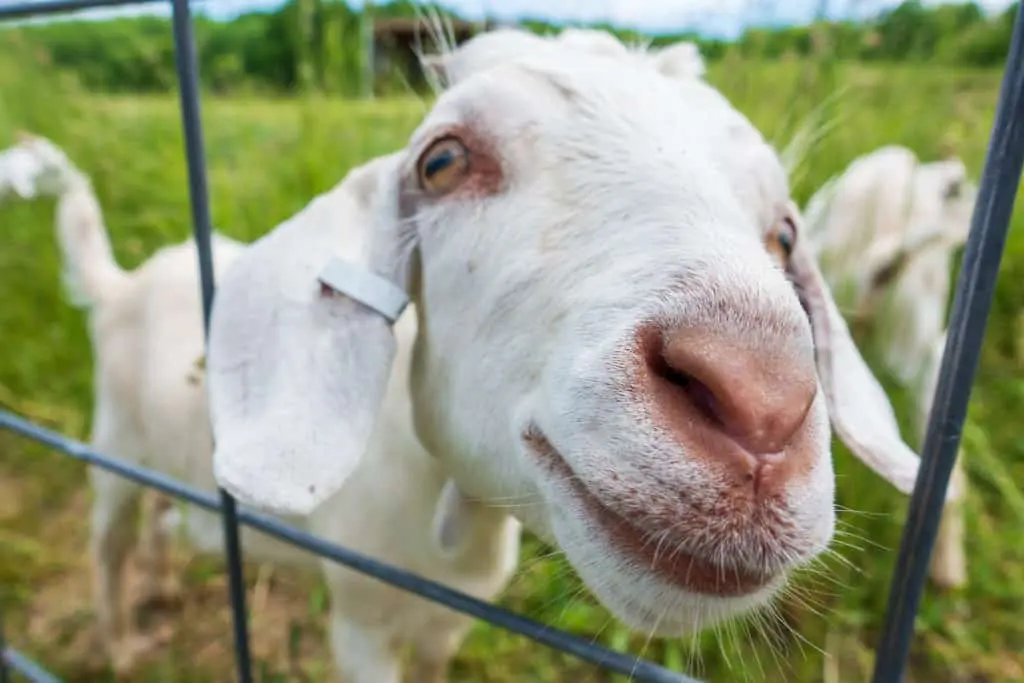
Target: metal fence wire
x=972, y=300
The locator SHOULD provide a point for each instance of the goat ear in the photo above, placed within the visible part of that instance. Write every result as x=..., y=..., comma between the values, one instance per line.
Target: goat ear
x=296, y=370
x=858, y=407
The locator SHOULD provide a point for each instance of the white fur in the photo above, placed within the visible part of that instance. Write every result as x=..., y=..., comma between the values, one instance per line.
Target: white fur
x=151, y=409
x=887, y=206
x=625, y=197
x=680, y=60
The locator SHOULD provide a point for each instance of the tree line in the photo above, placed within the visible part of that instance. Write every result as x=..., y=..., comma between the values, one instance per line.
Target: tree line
x=321, y=45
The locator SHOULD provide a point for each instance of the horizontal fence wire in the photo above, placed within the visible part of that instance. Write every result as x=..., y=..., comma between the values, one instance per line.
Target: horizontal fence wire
x=641, y=670
x=22, y=10
x=24, y=667
x=975, y=288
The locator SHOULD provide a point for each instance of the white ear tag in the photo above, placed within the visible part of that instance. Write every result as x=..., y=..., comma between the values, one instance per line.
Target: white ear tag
x=366, y=287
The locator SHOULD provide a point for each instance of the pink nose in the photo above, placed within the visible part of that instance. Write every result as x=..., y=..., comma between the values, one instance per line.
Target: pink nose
x=734, y=402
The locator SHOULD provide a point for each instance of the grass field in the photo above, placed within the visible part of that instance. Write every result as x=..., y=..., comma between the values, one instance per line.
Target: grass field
x=266, y=160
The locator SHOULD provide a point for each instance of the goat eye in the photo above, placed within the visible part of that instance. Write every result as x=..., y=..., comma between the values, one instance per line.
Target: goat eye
x=782, y=240
x=443, y=165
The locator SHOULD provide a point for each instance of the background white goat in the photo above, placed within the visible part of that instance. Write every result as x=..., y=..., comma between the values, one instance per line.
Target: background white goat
x=601, y=262
x=885, y=231
x=151, y=409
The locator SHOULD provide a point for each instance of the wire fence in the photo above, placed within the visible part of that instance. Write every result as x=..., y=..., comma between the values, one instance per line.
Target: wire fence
x=972, y=301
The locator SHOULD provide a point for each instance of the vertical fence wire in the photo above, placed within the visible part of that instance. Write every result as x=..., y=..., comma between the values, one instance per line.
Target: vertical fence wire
x=972, y=301
x=4, y=677
x=188, y=87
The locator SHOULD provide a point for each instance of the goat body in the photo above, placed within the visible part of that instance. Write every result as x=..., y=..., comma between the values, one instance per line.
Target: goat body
x=151, y=409
x=885, y=231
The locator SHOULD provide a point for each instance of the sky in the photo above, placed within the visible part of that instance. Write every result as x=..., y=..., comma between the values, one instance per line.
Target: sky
x=721, y=18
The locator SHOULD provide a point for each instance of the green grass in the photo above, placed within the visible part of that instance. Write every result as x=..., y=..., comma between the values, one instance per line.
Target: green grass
x=266, y=159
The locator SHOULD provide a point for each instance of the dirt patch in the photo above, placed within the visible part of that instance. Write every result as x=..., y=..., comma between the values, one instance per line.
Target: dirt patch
x=58, y=626
x=10, y=500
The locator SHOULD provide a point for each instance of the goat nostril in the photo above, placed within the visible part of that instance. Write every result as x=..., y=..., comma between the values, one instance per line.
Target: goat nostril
x=696, y=392
x=703, y=399
x=686, y=386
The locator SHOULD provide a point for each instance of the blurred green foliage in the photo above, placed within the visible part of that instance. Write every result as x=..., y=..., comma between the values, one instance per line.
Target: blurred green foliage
x=317, y=44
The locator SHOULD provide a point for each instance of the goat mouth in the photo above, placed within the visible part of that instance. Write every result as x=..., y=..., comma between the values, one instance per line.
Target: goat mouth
x=689, y=572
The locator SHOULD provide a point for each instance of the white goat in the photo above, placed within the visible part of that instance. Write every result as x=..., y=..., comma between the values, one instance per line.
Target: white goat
x=885, y=231
x=150, y=408
x=605, y=333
